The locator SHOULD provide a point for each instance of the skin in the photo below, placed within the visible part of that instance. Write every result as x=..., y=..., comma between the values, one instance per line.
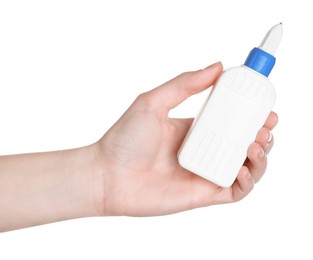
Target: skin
x=131, y=171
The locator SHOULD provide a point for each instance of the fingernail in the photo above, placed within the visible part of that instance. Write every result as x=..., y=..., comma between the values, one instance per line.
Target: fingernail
x=248, y=175
x=261, y=153
x=270, y=137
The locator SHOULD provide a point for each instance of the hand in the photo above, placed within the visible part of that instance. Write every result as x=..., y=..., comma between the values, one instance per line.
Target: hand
x=133, y=170
x=138, y=155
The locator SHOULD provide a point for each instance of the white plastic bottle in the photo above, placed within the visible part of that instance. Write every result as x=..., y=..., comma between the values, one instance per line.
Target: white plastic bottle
x=237, y=107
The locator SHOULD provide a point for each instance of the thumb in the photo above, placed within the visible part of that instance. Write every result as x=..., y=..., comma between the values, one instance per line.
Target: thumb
x=175, y=91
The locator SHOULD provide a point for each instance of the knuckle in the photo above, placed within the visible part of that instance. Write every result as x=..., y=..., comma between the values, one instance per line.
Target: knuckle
x=144, y=101
x=184, y=74
x=239, y=196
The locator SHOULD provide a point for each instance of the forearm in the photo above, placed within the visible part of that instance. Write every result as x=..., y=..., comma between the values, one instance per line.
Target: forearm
x=47, y=187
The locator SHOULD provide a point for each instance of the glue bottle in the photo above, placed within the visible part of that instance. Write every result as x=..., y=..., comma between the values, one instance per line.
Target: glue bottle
x=216, y=145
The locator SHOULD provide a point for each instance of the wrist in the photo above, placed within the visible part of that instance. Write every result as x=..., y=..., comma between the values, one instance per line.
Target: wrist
x=102, y=174
x=89, y=180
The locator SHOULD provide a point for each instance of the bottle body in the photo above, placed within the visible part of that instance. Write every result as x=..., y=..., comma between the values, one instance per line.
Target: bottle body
x=216, y=145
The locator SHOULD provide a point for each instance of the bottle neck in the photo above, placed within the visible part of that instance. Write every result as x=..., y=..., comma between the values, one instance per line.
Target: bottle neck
x=260, y=61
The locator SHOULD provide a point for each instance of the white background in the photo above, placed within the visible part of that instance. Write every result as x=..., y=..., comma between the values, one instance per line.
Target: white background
x=69, y=69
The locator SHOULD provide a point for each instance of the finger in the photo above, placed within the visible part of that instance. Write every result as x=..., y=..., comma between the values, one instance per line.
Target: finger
x=175, y=91
x=257, y=161
x=243, y=185
x=181, y=127
x=265, y=139
x=271, y=120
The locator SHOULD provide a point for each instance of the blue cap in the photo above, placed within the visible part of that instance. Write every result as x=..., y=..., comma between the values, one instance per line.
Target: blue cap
x=260, y=61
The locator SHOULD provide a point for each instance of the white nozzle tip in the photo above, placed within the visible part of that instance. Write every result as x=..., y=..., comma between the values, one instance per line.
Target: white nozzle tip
x=272, y=39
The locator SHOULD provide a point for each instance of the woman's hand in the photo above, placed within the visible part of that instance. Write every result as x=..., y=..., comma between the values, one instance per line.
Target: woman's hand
x=133, y=170
x=138, y=155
